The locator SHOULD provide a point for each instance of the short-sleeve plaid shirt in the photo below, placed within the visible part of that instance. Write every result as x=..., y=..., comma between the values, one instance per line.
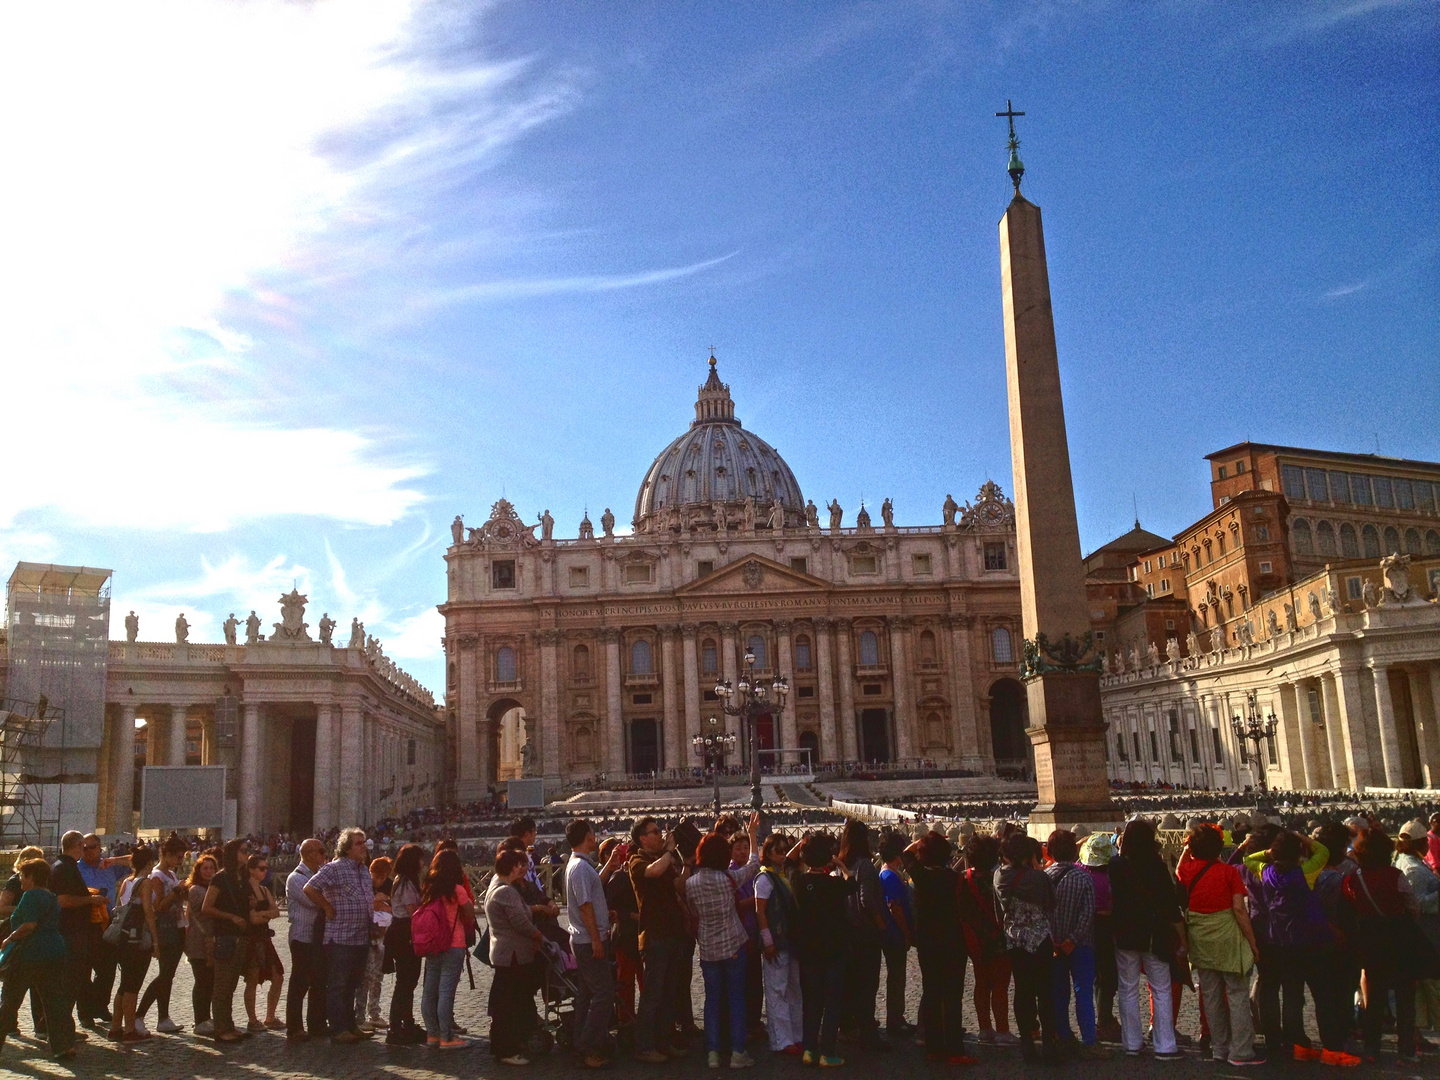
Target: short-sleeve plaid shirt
x=347, y=885
x=1074, y=916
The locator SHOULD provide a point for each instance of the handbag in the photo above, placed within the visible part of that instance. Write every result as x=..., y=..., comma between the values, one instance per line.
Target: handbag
x=481, y=951
x=130, y=930
x=1415, y=957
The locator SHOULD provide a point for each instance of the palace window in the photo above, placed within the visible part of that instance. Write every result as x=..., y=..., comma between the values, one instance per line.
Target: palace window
x=1360, y=490
x=1222, y=472
x=1371, y=536
x=1135, y=738
x=1120, y=746
x=995, y=557
x=806, y=691
x=1392, y=540
x=927, y=649
x=1384, y=492
x=409, y=751
x=502, y=574
x=641, y=661
x=1000, y=646
x=1315, y=485
x=862, y=564
x=505, y=664
x=1174, y=719
x=755, y=645
x=709, y=662
x=1432, y=543
x=1154, y=747
x=579, y=577
x=1239, y=468
x=1412, y=542
x=799, y=564
x=869, y=649
x=639, y=573
x=1165, y=584
x=872, y=689
x=1404, y=495
x=580, y=662
x=1220, y=543
x=803, y=660
x=1325, y=538
x=1354, y=587
x=704, y=568
x=1340, y=487
x=920, y=564
x=1219, y=746
x=1424, y=496
x=1349, y=544
x=1150, y=589
x=1293, y=479
x=1304, y=539
x=1194, y=746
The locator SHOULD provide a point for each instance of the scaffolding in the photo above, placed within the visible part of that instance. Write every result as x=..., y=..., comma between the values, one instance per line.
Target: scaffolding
x=57, y=621
x=22, y=730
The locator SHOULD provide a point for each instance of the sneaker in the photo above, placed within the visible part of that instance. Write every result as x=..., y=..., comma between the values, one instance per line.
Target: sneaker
x=794, y=1048
x=1240, y=1063
x=205, y=1027
x=827, y=1062
x=652, y=1057
x=1006, y=1038
x=1172, y=1055
x=741, y=1060
x=1327, y=1057
x=365, y=1026
x=807, y=1057
x=362, y=1033
x=376, y=1022
x=453, y=1044
x=166, y=1026
x=1307, y=1053
x=987, y=1038
x=140, y=1028
x=712, y=1059
x=595, y=1061
x=515, y=1059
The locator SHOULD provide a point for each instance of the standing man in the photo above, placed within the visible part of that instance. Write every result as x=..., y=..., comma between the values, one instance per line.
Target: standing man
x=899, y=932
x=343, y=892
x=589, y=917
x=655, y=873
x=307, y=950
x=76, y=905
x=100, y=875
x=1072, y=929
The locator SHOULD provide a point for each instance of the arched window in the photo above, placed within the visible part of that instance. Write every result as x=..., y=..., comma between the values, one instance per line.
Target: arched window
x=584, y=744
x=804, y=660
x=580, y=665
x=1325, y=538
x=1349, y=544
x=756, y=644
x=1304, y=539
x=1412, y=541
x=1000, y=646
x=1392, y=540
x=1220, y=543
x=869, y=649
x=640, y=659
x=505, y=664
x=709, y=658
x=810, y=741
x=927, y=649
x=934, y=730
x=1432, y=543
x=1371, y=536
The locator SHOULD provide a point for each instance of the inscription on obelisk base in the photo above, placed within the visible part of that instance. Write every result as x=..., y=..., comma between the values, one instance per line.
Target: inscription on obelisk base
x=1061, y=667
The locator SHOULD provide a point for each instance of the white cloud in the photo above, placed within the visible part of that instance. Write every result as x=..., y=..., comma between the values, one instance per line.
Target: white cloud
x=415, y=638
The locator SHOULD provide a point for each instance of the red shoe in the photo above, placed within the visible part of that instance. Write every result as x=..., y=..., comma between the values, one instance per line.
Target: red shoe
x=962, y=1059
x=794, y=1048
x=1307, y=1053
x=1338, y=1057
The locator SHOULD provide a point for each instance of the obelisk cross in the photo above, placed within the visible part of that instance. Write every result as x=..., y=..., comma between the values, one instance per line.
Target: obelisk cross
x=1016, y=169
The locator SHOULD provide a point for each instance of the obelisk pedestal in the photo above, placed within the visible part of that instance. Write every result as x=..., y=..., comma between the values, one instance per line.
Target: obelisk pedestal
x=1060, y=667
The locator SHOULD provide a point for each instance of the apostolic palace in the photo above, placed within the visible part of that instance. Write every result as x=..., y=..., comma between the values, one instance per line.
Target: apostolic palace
x=599, y=654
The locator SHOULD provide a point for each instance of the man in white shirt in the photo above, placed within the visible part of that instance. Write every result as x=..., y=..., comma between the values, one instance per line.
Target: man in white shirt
x=307, y=927
x=589, y=918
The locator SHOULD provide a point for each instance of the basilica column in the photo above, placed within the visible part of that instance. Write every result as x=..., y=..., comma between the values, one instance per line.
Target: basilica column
x=906, y=743
x=178, y=715
x=691, y=657
x=1295, y=730
x=1385, y=717
x=1432, y=718
x=251, y=736
x=122, y=813
x=614, y=720
x=729, y=666
x=550, y=764
x=1422, y=720
x=352, y=746
x=783, y=667
x=962, y=698
x=674, y=749
x=469, y=776
x=830, y=749
x=847, y=691
x=1343, y=691
x=325, y=774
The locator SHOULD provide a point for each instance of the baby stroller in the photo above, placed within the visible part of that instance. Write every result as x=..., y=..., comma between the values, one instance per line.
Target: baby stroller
x=557, y=991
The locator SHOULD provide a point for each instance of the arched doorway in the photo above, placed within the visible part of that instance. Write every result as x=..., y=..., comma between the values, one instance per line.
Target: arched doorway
x=874, y=735
x=508, y=735
x=1007, y=729
x=644, y=746
x=811, y=742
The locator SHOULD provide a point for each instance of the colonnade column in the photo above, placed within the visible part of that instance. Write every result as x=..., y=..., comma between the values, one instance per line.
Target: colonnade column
x=847, y=691
x=1351, y=711
x=829, y=742
x=178, y=716
x=469, y=776
x=905, y=724
x=690, y=658
x=1385, y=717
x=1433, y=721
x=1297, y=725
x=787, y=740
x=729, y=667
x=251, y=736
x=124, y=784
x=962, y=697
x=352, y=743
x=323, y=811
x=550, y=764
x=674, y=754
x=1334, y=733
x=1423, y=721
x=614, y=721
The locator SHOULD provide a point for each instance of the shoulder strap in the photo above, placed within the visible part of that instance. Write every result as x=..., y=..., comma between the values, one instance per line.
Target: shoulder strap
x=1190, y=889
x=1360, y=877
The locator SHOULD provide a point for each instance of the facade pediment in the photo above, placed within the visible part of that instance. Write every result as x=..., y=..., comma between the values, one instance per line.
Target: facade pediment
x=753, y=573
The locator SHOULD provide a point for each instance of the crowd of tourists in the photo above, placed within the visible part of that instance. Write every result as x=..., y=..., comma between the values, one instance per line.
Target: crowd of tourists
x=791, y=932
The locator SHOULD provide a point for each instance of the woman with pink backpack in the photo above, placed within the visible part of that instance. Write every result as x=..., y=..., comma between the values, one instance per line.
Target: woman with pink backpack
x=437, y=933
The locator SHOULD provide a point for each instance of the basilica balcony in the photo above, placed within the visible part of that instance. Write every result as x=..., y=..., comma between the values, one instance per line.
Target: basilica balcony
x=862, y=670
x=514, y=686
x=642, y=678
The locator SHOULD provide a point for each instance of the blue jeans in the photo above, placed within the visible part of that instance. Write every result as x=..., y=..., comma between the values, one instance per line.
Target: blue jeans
x=725, y=978
x=1079, y=968
x=344, y=968
x=437, y=1003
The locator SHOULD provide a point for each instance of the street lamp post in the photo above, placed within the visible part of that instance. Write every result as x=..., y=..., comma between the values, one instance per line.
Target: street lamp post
x=753, y=697
x=1254, y=728
x=713, y=747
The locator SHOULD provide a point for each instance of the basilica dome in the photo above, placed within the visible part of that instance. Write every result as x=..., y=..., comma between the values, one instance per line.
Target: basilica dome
x=716, y=470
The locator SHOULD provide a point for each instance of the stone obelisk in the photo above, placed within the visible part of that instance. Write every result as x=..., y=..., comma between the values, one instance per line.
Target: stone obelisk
x=1060, y=667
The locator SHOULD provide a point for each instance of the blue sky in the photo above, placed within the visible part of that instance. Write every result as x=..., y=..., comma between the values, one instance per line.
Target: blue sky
x=287, y=286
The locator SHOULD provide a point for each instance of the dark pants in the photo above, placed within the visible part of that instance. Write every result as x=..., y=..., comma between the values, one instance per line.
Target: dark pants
x=684, y=1001
x=754, y=984
x=46, y=983
x=202, y=989
x=76, y=975
x=512, y=1008
x=1282, y=973
x=1336, y=978
x=344, y=968
x=402, y=993
x=307, y=982
x=897, y=955
x=725, y=983
x=1378, y=984
x=1107, y=976
x=594, y=1000
x=104, y=962
x=227, y=971
x=822, y=989
x=1034, y=990
x=862, y=982
x=171, y=949
x=942, y=998
x=660, y=997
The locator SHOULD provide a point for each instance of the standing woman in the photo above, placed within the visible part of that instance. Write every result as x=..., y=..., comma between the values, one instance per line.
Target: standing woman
x=31, y=957
x=775, y=915
x=227, y=906
x=1385, y=908
x=367, y=997
x=985, y=940
x=865, y=910
x=940, y=949
x=1148, y=934
x=200, y=943
x=445, y=885
x=822, y=925
x=1027, y=901
x=134, y=899
x=515, y=943
x=721, y=941
x=168, y=896
x=399, y=952
x=263, y=963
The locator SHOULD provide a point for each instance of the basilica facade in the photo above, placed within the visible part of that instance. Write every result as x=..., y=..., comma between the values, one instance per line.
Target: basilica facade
x=596, y=657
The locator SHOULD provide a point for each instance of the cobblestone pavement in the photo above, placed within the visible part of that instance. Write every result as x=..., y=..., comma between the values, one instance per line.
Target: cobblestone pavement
x=267, y=1055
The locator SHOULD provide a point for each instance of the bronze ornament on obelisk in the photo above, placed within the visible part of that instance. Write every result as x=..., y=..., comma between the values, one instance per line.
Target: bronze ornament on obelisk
x=1060, y=666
